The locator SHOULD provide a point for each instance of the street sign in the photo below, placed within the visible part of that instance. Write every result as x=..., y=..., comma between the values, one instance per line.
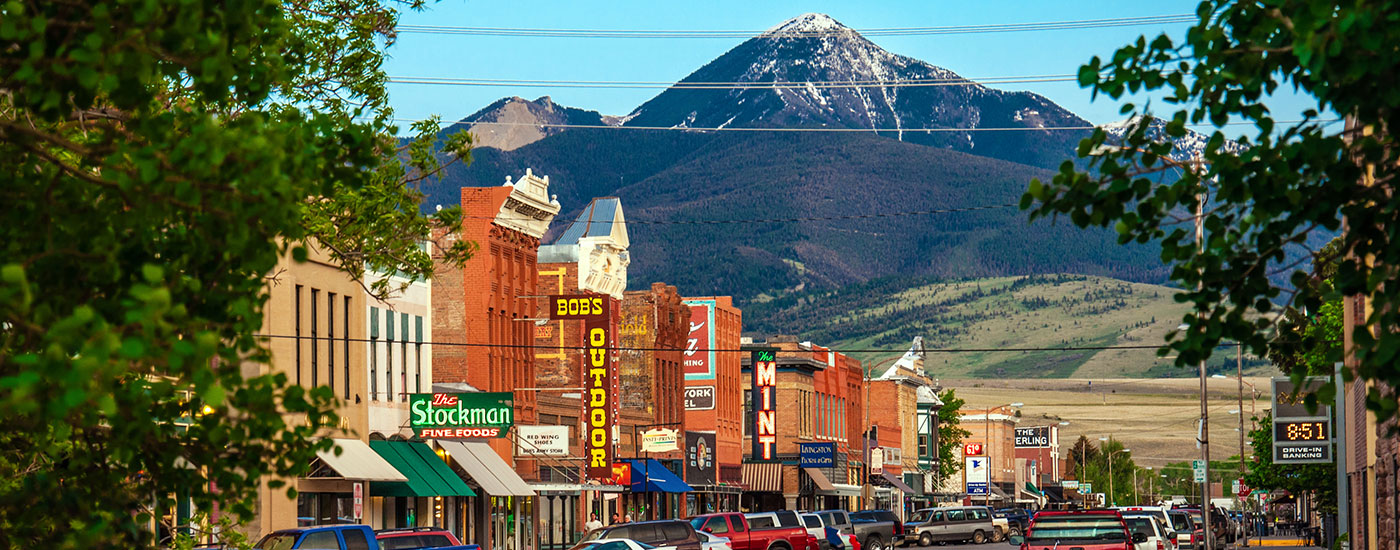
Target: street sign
x=359, y=500
x=1086, y=487
x=1198, y=471
x=1241, y=490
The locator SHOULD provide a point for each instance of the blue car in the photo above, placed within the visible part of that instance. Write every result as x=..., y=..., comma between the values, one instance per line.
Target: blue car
x=321, y=537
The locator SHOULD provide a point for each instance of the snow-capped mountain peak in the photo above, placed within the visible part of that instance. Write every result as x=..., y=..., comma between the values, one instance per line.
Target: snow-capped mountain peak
x=808, y=23
x=1187, y=148
x=813, y=71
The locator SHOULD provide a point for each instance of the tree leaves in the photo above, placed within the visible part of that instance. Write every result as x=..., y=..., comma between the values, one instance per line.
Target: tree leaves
x=1271, y=202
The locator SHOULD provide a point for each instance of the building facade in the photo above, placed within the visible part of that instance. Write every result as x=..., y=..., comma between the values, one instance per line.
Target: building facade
x=995, y=431
x=715, y=388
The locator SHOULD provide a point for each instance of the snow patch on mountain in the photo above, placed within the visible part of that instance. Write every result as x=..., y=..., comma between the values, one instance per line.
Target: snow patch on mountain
x=1186, y=148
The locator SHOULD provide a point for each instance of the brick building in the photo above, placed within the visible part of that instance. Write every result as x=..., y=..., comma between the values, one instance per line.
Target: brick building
x=488, y=300
x=1373, y=453
x=818, y=396
x=995, y=430
x=715, y=324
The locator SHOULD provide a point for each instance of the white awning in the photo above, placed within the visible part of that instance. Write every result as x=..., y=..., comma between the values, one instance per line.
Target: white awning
x=358, y=461
x=486, y=468
x=842, y=490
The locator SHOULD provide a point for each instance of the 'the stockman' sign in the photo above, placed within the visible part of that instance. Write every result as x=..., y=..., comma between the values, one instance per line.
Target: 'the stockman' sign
x=600, y=376
x=765, y=403
x=461, y=415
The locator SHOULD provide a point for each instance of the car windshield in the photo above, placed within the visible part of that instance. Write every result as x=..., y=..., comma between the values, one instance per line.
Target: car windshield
x=1059, y=528
x=277, y=541
x=1140, y=524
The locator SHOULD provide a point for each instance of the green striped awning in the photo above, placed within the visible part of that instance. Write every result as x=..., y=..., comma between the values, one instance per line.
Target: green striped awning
x=428, y=475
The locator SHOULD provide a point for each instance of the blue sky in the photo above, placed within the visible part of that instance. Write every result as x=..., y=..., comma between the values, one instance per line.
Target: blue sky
x=610, y=59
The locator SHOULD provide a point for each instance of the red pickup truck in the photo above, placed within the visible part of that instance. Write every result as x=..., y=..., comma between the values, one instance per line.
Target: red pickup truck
x=772, y=533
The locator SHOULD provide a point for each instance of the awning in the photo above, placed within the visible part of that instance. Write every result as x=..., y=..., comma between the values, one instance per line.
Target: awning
x=428, y=475
x=1032, y=490
x=486, y=468
x=763, y=477
x=843, y=490
x=819, y=478
x=357, y=461
x=1055, y=493
x=895, y=481
x=650, y=476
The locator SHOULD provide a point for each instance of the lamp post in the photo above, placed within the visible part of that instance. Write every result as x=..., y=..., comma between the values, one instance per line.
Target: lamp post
x=987, y=440
x=1113, y=501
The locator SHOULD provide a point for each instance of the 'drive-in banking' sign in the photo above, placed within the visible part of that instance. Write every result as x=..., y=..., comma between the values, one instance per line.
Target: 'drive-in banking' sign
x=765, y=390
x=461, y=415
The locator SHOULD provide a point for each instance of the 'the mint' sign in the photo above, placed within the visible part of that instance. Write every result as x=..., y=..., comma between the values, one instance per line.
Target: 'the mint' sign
x=461, y=415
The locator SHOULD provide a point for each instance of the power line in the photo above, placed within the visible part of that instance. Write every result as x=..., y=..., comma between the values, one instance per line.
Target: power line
x=779, y=220
x=1077, y=24
x=719, y=350
x=668, y=83
x=682, y=85
x=768, y=129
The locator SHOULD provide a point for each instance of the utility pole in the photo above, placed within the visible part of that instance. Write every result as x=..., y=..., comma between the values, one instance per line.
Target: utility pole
x=1239, y=378
x=1205, y=411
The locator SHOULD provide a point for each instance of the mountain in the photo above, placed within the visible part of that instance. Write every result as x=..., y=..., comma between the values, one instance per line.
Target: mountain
x=759, y=215
x=1185, y=149
x=513, y=122
x=820, y=55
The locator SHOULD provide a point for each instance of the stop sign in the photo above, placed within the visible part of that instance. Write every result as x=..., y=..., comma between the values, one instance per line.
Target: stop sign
x=1241, y=490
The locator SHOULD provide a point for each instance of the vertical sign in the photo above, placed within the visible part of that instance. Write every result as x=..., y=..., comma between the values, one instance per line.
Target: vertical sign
x=765, y=397
x=698, y=359
x=600, y=377
x=977, y=475
x=1301, y=436
x=359, y=500
x=700, y=458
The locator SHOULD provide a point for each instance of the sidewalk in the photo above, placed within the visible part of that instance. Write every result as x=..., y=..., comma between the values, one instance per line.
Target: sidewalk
x=1273, y=543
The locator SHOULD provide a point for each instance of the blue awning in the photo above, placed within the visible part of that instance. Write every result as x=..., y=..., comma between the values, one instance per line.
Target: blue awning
x=649, y=476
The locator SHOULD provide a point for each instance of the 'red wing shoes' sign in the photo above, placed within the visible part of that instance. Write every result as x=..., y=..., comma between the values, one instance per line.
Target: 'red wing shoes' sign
x=461, y=415
x=600, y=376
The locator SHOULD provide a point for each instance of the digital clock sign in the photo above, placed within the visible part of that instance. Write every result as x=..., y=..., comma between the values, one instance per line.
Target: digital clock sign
x=1295, y=430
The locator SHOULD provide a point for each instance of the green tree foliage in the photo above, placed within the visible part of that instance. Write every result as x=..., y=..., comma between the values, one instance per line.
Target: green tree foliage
x=1292, y=181
x=1321, y=479
x=158, y=159
x=950, y=435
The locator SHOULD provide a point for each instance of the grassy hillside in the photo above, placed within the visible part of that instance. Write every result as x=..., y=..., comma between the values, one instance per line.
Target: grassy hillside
x=992, y=313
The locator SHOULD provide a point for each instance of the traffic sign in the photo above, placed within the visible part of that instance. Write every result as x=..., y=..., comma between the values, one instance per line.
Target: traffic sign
x=1198, y=471
x=1241, y=490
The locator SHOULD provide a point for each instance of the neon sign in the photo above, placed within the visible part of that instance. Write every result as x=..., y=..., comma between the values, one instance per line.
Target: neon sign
x=461, y=415
x=765, y=418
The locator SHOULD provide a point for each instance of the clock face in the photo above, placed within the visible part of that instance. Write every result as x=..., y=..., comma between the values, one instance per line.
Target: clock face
x=1311, y=430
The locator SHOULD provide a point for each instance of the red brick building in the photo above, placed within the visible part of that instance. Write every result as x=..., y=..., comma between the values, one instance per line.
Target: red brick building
x=487, y=300
x=714, y=325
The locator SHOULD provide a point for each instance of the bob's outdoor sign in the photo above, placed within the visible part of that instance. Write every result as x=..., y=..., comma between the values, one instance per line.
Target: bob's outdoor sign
x=461, y=415
x=600, y=376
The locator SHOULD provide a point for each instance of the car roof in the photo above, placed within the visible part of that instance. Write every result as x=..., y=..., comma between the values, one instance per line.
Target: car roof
x=322, y=527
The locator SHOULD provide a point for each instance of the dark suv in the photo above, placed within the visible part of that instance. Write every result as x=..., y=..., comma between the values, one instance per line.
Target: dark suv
x=1017, y=519
x=666, y=532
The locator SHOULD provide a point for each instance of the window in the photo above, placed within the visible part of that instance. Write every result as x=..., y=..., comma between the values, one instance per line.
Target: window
x=296, y=314
x=954, y=515
x=355, y=539
x=812, y=522
x=762, y=522
x=389, y=356
x=1059, y=528
x=738, y=525
x=937, y=516
x=345, y=345
x=374, y=353
x=717, y=525
x=673, y=531
x=418, y=353
x=320, y=540
x=330, y=340
x=403, y=382
x=315, y=297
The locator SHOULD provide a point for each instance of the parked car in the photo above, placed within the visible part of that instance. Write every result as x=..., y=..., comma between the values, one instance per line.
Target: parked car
x=1148, y=526
x=1018, y=518
x=1158, y=513
x=617, y=544
x=873, y=535
x=713, y=542
x=321, y=537
x=897, y=533
x=420, y=537
x=1187, y=536
x=955, y=524
x=762, y=532
x=666, y=532
x=1079, y=529
x=817, y=528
